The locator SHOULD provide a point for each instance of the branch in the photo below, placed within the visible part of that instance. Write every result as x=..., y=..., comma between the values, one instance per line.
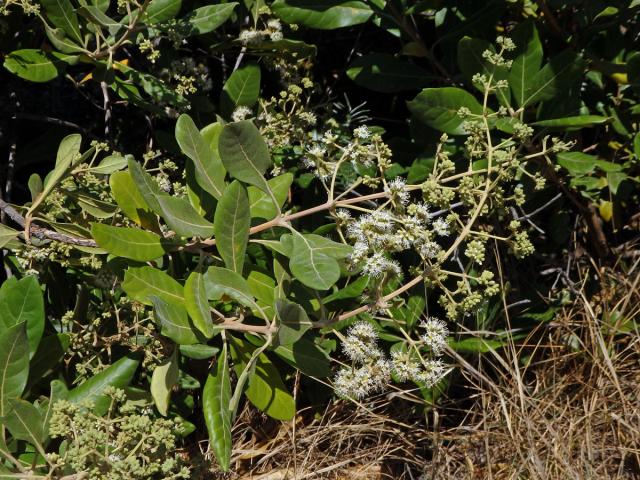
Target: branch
x=44, y=233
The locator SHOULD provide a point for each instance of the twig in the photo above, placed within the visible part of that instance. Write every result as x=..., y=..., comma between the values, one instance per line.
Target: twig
x=44, y=233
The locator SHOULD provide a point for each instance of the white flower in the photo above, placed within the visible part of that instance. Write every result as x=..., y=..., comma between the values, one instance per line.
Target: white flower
x=396, y=190
x=378, y=265
x=362, y=132
x=441, y=227
x=430, y=250
x=363, y=331
x=403, y=366
x=250, y=36
x=434, y=371
x=360, y=351
x=435, y=335
x=419, y=211
x=274, y=24
x=359, y=382
x=317, y=151
x=241, y=113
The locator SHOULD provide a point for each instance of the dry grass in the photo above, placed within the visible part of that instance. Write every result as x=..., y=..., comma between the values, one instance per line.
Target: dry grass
x=571, y=412
x=563, y=404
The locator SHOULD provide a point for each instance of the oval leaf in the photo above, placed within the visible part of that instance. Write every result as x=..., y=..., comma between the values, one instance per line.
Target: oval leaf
x=325, y=15
x=141, y=283
x=128, y=242
x=14, y=364
x=438, y=108
x=173, y=321
x=216, y=397
x=266, y=389
x=231, y=226
x=164, y=378
x=244, y=153
x=209, y=172
x=118, y=375
x=22, y=301
x=195, y=297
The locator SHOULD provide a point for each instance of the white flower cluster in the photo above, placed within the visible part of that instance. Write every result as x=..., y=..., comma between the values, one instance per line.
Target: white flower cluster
x=272, y=31
x=370, y=372
x=409, y=366
x=435, y=334
x=364, y=149
x=380, y=233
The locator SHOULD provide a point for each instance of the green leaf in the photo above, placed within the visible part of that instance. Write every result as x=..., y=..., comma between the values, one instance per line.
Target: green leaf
x=173, y=321
x=241, y=89
x=216, y=398
x=93, y=205
x=160, y=11
x=25, y=422
x=633, y=71
x=36, y=65
x=22, y=301
x=354, y=289
x=177, y=212
x=261, y=205
x=141, y=283
x=50, y=352
x=61, y=41
x=323, y=15
x=111, y=164
x=577, y=163
x=130, y=200
x=385, y=73
x=7, y=234
x=209, y=172
x=222, y=281
x=475, y=345
x=147, y=187
x=262, y=286
x=68, y=154
x=206, y=19
x=62, y=15
x=159, y=91
x=128, y=242
x=195, y=298
x=198, y=351
x=266, y=390
x=313, y=260
x=164, y=378
x=306, y=356
x=411, y=311
x=572, y=122
x=293, y=322
x=231, y=226
x=117, y=375
x=438, y=108
x=614, y=179
x=527, y=62
x=14, y=364
x=98, y=17
x=244, y=153
x=555, y=78
x=182, y=218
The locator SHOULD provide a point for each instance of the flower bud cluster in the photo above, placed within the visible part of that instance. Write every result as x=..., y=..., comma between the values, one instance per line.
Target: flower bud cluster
x=129, y=442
